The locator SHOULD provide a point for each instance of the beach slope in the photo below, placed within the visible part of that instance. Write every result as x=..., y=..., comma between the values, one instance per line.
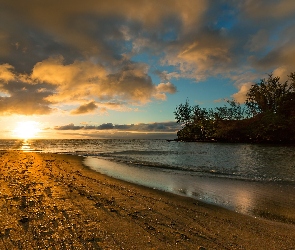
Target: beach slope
x=50, y=201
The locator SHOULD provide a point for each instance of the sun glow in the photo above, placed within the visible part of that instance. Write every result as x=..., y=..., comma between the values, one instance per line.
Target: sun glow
x=26, y=129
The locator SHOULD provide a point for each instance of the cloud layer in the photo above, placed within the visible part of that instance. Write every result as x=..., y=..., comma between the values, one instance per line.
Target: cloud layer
x=97, y=55
x=84, y=83
x=141, y=127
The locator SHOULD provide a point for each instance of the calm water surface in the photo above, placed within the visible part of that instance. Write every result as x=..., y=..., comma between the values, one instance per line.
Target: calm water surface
x=253, y=179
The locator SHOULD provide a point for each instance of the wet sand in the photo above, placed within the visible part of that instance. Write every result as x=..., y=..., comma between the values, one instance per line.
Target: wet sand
x=50, y=201
x=270, y=200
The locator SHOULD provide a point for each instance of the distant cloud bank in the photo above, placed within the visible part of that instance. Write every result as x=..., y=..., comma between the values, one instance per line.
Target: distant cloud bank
x=164, y=127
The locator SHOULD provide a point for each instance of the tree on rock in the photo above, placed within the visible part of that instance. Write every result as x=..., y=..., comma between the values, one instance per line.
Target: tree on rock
x=269, y=95
x=268, y=115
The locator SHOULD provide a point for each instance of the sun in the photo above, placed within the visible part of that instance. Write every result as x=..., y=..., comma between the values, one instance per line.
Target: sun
x=26, y=129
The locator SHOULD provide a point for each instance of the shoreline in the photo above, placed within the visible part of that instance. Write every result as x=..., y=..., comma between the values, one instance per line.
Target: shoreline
x=255, y=198
x=51, y=200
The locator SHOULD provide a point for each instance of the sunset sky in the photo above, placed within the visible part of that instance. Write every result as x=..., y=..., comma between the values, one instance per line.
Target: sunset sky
x=117, y=69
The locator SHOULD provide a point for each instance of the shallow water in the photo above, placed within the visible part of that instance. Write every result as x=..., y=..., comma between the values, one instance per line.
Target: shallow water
x=235, y=161
x=253, y=179
x=272, y=200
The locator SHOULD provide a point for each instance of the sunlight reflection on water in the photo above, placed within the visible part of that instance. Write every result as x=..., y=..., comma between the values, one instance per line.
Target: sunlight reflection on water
x=26, y=146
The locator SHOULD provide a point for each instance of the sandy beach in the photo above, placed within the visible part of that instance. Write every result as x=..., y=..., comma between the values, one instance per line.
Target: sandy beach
x=50, y=201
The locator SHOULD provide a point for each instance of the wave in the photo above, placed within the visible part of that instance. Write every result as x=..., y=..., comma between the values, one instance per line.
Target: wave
x=200, y=171
x=232, y=161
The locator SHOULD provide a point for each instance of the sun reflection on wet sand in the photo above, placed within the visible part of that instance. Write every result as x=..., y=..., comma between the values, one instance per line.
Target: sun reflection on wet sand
x=243, y=201
x=263, y=199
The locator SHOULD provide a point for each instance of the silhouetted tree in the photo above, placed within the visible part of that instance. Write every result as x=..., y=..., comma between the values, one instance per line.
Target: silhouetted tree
x=234, y=112
x=268, y=95
x=184, y=113
x=267, y=116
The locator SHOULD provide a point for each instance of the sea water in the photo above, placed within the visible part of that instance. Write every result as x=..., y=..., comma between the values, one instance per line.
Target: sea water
x=248, y=178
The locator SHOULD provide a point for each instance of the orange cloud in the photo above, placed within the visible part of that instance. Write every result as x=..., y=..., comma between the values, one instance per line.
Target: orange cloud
x=52, y=81
x=6, y=73
x=208, y=54
x=283, y=72
x=240, y=96
x=164, y=88
x=86, y=80
x=72, y=81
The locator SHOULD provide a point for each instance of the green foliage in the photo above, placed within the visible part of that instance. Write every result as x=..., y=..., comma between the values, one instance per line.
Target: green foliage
x=268, y=115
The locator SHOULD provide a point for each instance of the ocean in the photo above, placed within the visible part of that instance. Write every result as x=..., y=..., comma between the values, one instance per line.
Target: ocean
x=254, y=179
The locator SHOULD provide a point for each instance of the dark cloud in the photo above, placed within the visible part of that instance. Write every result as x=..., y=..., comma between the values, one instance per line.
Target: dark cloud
x=91, y=28
x=70, y=126
x=105, y=126
x=86, y=108
x=164, y=127
x=24, y=45
x=282, y=53
x=269, y=11
x=20, y=96
x=23, y=104
x=156, y=127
